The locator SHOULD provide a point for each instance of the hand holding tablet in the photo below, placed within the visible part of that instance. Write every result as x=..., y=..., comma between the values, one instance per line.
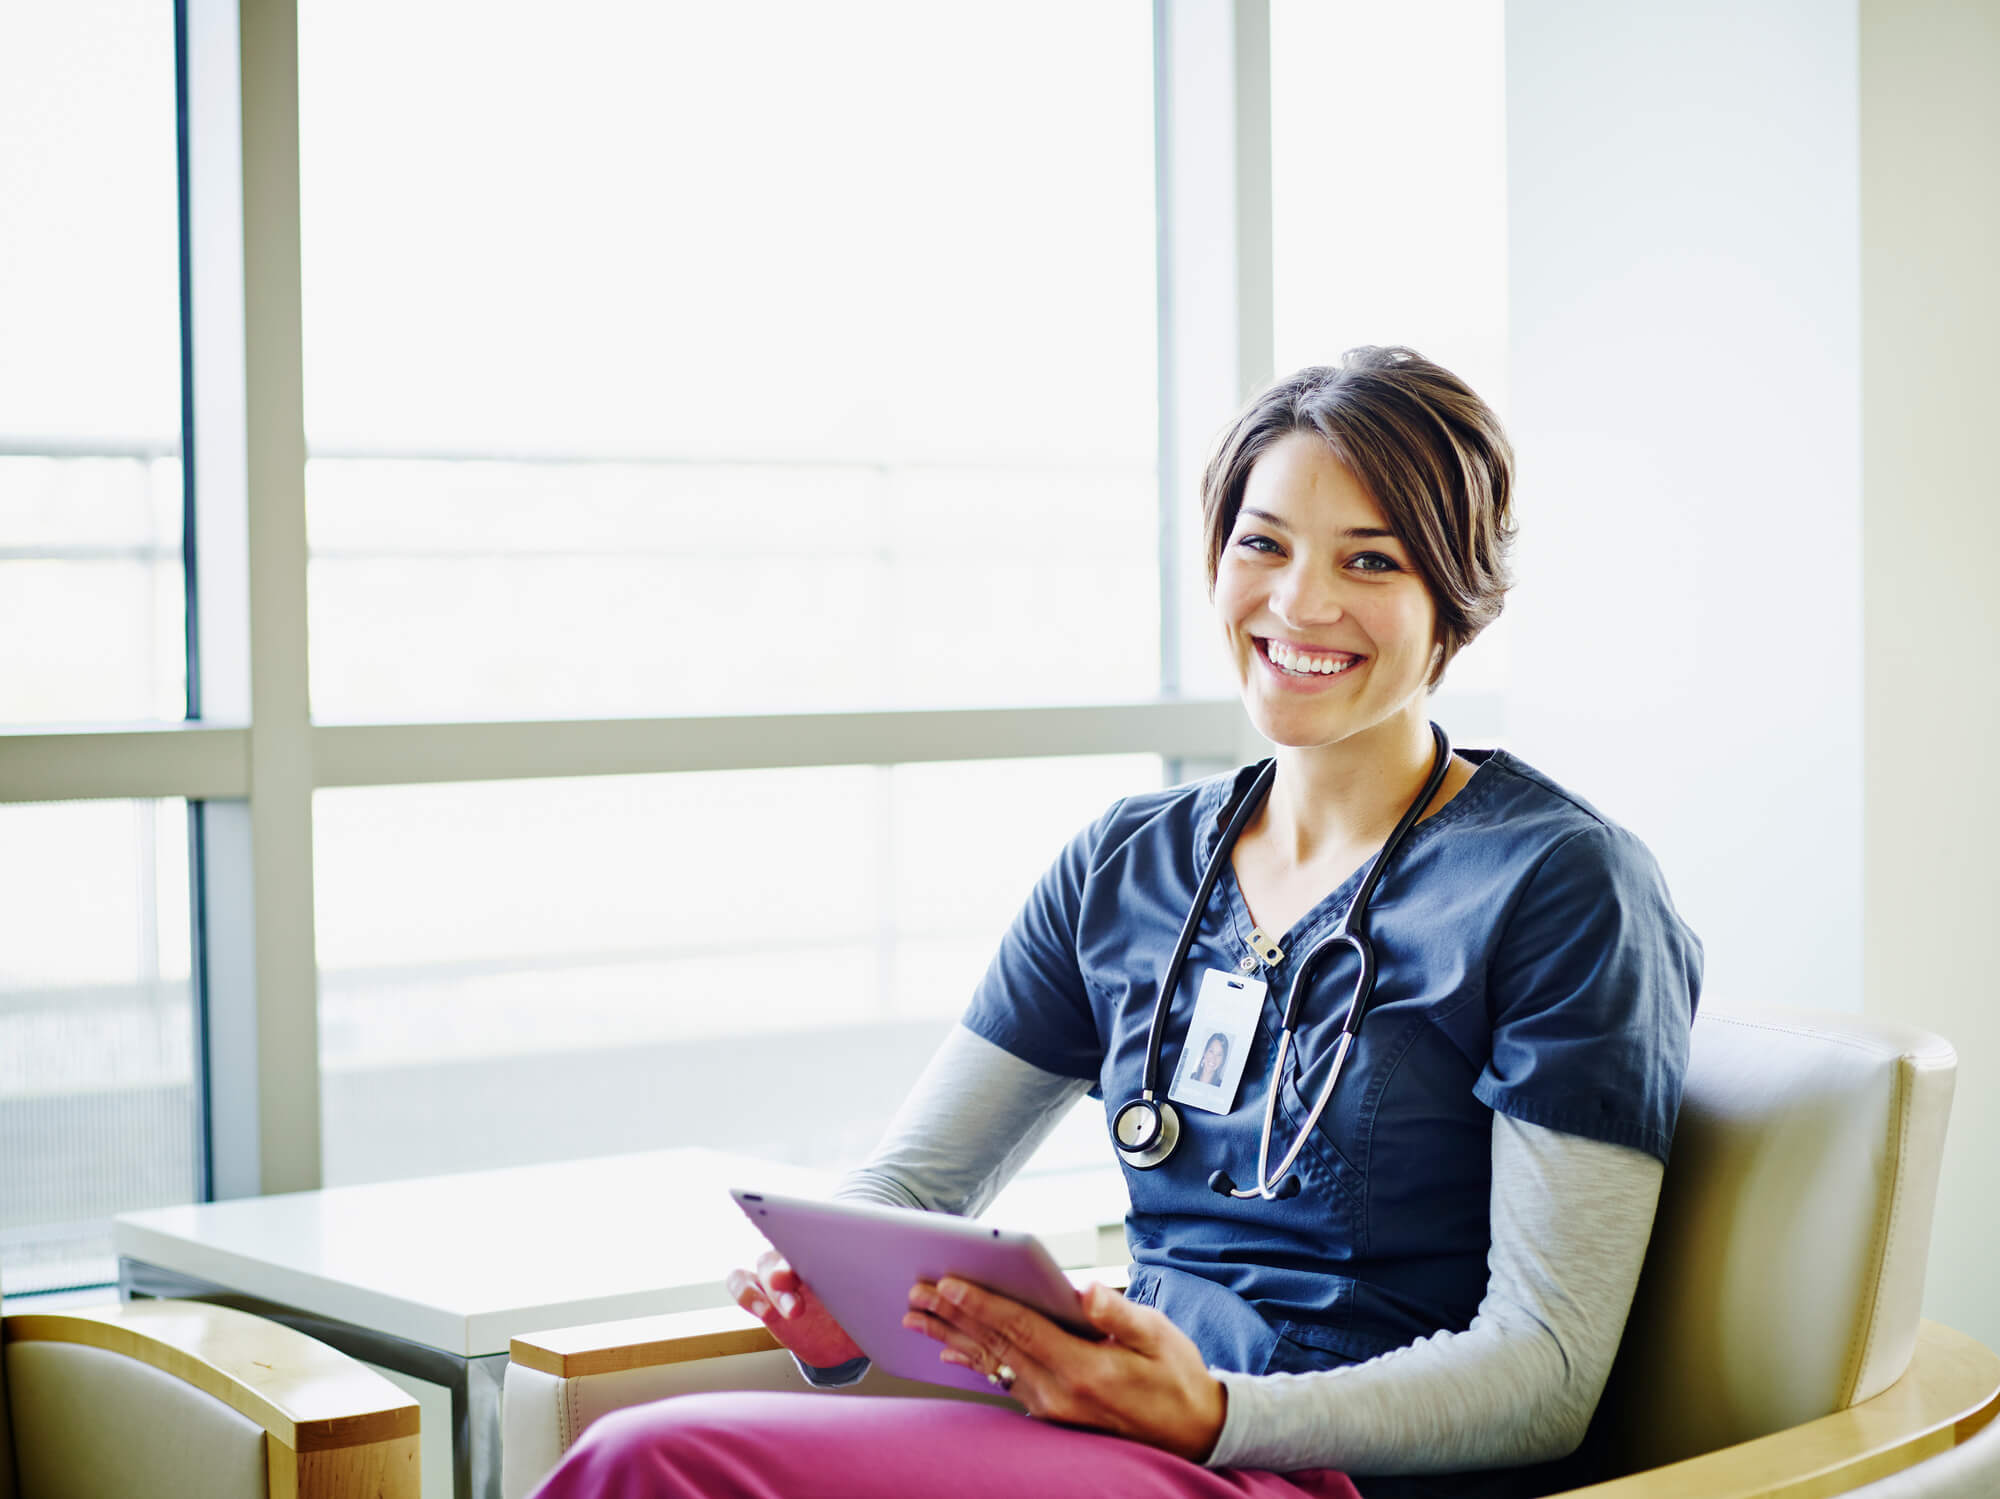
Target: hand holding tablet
x=860, y=1262
x=903, y=1282
x=776, y=1296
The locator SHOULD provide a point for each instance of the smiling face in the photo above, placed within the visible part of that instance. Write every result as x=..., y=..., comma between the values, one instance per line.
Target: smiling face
x=1212, y=1059
x=1331, y=629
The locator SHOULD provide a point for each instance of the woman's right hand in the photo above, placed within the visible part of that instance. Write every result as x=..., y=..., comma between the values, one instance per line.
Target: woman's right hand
x=776, y=1297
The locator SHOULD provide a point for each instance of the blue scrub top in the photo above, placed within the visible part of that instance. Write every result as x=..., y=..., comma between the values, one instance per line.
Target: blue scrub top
x=1530, y=961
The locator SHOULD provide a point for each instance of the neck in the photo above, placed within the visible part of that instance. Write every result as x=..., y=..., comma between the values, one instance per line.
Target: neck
x=1333, y=798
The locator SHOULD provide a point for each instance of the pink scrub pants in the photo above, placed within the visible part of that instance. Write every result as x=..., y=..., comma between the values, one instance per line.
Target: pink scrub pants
x=761, y=1445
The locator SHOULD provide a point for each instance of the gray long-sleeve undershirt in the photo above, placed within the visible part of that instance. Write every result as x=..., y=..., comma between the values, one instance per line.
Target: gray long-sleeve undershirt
x=1570, y=1221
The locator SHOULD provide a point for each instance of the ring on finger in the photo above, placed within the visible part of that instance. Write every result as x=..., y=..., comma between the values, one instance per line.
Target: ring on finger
x=1002, y=1375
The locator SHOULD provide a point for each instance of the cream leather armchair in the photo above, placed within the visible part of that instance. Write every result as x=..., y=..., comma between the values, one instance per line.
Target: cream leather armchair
x=1775, y=1349
x=178, y=1400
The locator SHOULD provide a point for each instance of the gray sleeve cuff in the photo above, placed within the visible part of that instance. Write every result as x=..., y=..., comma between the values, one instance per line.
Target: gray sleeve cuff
x=1250, y=1426
x=839, y=1377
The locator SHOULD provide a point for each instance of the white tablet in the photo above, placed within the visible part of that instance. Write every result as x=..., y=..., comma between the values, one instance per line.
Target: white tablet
x=861, y=1260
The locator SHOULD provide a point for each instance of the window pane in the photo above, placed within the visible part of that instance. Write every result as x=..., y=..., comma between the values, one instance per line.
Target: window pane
x=489, y=590
x=92, y=605
x=538, y=970
x=1411, y=246
x=858, y=348
x=97, y=1107
x=90, y=531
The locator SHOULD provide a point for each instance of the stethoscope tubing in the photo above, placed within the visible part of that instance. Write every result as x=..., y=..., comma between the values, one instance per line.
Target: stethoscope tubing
x=1268, y=1181
x=1352, y=931
x=1163, y=1003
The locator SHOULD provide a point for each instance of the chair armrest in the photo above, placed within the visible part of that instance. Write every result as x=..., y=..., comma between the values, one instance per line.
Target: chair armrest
x=1950, y=1391
x=328, y=1419
x=680, y=1337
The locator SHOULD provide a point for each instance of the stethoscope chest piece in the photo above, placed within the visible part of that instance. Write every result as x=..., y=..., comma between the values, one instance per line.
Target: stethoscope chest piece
x=1146, y=1132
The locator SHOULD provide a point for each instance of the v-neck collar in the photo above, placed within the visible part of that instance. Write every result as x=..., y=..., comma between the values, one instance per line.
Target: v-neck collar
x=1326, y=913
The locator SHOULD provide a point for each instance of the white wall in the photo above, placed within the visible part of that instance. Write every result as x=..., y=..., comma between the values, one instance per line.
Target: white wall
x=1684, y=307
x=1930, y=178
x=1749, y=242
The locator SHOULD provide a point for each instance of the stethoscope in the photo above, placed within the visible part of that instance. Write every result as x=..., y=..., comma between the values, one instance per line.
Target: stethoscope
x=1146, y=1129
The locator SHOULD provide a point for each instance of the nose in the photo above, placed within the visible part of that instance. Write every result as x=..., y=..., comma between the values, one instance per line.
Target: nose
x=1304, y=597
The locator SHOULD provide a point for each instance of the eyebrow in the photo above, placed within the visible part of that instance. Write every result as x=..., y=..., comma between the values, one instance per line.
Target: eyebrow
x=1351, y=533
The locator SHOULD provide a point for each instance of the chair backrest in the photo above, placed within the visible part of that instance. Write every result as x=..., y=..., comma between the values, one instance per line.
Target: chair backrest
x=1786, y=1269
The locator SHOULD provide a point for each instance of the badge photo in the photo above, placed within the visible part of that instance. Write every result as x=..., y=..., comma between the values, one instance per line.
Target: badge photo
x=1217, y=1043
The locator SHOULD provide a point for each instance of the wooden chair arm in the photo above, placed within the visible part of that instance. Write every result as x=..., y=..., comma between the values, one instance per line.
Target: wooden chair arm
x=1951, y=1390
x=333, y=1426
x=679, y=1337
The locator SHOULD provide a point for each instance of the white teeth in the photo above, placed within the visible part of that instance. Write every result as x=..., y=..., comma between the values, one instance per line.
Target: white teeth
x=1300, y=664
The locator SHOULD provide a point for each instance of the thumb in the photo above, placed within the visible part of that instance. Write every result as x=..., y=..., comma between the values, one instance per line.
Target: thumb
x=1131, y=1324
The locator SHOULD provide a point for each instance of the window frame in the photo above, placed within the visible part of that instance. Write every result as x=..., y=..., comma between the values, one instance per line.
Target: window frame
x=249, y=758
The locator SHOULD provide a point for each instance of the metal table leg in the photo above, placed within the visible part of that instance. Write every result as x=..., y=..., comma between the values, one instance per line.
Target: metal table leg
x=478, y=1440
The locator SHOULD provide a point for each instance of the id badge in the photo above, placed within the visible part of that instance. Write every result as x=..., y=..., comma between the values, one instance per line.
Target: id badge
x=1218, y=1040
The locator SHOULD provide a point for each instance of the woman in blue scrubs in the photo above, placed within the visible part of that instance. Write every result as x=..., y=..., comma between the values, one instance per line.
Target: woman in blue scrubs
x=1435, y=1307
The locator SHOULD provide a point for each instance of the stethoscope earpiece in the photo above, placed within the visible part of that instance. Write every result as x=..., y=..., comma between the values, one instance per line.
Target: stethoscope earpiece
x=1222, y=1184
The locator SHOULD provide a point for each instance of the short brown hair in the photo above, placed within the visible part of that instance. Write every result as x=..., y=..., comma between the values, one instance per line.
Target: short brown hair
x=1429, y=451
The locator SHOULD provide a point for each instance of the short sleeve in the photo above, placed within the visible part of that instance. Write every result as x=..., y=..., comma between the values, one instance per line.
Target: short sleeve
x=1594, y=985
x=1033, y=1001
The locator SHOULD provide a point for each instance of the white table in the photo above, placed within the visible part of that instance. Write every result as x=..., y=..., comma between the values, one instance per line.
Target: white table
x=432, y=1277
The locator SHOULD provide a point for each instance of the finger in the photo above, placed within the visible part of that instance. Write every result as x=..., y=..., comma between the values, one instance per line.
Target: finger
x=966, y=1342
x=1057, y=1375
x=1054, y=1371
x=935, y=1318
x=985, y=1351
x=1029, y=1378
x=781, y=1282
x=959, y=1346
x=1137, y=1327
x=1007, y=1325
x=943, y=1321
x=776, y=1272
x=1031, y=1386
x=745, y=1290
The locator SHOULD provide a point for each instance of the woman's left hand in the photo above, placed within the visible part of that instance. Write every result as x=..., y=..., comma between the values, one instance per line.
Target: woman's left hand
x=1146, y=1380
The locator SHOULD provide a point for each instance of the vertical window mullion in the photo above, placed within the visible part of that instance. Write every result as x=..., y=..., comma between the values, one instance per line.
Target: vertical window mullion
x=245, y=474
x=1212, y=134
